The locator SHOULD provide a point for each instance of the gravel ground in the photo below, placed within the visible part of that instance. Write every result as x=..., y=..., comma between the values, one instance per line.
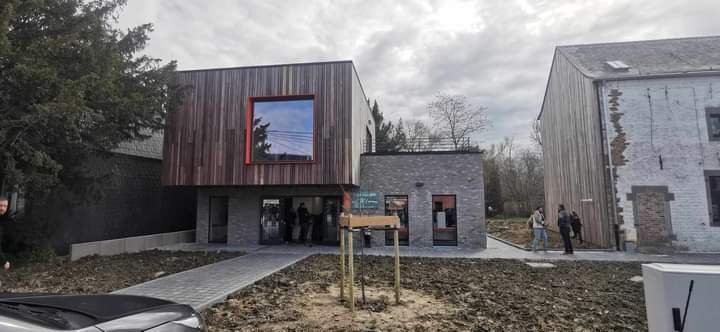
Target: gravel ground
x=515, y=230
x=442, y=294
x=102, y=274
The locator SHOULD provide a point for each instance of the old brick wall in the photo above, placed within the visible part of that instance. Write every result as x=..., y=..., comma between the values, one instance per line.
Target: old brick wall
x=661, y=139
x=457, y=174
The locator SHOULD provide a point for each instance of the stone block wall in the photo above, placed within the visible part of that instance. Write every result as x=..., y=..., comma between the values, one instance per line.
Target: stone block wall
x=244, y=208
x=422, y=175
x=665, y=142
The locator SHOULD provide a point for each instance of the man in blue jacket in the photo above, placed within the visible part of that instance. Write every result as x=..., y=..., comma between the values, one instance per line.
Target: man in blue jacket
x=565, y=225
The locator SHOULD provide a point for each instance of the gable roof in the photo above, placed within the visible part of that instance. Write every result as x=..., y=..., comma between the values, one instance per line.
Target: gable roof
x=646, y=58
x=151, y=148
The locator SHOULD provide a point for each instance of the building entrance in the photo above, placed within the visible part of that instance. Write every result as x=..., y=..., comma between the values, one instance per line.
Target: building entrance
x=300, y=219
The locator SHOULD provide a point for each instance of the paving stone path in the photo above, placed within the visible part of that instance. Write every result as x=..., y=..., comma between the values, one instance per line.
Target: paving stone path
x=210, y=284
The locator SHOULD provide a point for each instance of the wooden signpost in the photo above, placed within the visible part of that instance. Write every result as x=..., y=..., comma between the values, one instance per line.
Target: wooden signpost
x=348, y=223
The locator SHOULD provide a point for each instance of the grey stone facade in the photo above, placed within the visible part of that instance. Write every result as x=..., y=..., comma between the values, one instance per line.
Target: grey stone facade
x=458, y=174
x=422, y=175
x=244, y=208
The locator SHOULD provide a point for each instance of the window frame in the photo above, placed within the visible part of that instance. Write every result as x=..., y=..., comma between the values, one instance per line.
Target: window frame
x=708, y=175
x=432, y=220
x=709, y=113
x=249, y=128
x=407, y=207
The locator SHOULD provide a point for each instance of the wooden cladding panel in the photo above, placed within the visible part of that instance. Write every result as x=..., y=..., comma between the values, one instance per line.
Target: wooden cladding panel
x=573, y=151
x=205, y=137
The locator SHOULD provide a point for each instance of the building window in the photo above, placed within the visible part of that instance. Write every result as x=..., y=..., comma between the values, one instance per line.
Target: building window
x=713, y=190
x=713, y=123
x=282, y=129
x=444, y=220
x=398, y=205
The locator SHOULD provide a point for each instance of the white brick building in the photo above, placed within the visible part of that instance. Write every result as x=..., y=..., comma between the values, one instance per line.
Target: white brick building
x=650, y=112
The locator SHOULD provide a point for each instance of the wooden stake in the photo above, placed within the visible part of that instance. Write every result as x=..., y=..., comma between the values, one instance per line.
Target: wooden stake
x=351, y=292
x=342, y=264
x=397, y=267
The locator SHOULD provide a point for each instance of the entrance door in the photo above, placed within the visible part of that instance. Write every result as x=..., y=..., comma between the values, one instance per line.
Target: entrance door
x=331, y=213
x=218, y=219
x=398, y=205
x=271, y=221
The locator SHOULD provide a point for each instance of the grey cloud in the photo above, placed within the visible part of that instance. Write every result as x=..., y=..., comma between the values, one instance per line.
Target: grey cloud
x=497, y=53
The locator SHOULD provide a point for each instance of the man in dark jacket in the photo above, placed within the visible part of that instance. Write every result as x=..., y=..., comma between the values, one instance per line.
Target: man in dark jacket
x=564, y=223
x=5, y=217
x=289, y=223
x=303, y=217
x=576, y=226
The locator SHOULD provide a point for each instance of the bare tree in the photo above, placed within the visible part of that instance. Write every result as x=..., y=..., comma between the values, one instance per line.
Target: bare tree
x=520, y=176
x=456, y=119
x=536, y=132
x=418, y=137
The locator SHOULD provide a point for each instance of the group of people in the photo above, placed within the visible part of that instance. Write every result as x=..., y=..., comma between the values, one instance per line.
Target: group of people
x=567, y=222
x=304, y=218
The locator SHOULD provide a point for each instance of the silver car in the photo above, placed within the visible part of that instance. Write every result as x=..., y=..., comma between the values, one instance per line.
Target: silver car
x=95, y=313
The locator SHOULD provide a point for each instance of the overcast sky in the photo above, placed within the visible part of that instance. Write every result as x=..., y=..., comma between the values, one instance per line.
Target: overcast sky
x=497, y=53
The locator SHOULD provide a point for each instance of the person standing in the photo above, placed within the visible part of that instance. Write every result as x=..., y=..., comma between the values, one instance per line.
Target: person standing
x=289, y=223
x=303, y=216
x=5, y=217
x=576, y=227
x=538, y=225
x=564, y=222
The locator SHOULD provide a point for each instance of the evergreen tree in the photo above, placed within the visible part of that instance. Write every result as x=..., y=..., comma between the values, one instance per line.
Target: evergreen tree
x=384, y=131
x=73, y=86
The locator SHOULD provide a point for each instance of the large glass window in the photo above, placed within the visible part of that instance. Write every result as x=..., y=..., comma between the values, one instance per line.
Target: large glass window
x=282, y=130
x=444, y=220
x=398, y=205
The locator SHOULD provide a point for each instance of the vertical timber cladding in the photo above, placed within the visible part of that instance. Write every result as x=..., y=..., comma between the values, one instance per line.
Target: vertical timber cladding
x=205, y=136
x=573, y=151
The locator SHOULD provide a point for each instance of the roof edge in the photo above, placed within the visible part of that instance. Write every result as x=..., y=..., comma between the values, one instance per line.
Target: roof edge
x=269, y=65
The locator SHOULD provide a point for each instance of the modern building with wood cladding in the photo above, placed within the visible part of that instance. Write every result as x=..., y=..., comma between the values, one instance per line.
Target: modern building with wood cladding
x=258, y=142
x=631, y=136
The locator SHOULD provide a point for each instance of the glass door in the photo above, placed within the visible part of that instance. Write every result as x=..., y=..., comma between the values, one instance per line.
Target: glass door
x=398, y=205
x=444, y=220
x=330, y=216
x=271, y=221
x=217, y=232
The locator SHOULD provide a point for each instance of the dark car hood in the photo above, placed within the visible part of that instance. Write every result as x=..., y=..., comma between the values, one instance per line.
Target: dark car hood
x=101, y=307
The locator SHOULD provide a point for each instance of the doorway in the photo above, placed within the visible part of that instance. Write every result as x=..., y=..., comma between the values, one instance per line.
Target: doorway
x=398, y=206
x=280, y=220
x=217, y=232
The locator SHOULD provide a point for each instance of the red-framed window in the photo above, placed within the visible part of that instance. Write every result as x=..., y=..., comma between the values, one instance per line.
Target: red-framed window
x=281, y=129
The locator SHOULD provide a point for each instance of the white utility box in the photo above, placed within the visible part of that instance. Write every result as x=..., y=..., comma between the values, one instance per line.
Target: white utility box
x=667, y=287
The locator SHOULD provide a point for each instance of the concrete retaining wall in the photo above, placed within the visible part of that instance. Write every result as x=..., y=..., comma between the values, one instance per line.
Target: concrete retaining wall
x=129, y=244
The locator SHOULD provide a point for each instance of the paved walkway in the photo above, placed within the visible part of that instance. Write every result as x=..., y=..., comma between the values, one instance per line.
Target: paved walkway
x=210, y=284
x=495, y=249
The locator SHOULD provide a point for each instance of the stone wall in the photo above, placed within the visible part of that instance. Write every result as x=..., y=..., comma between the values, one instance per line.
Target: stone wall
x=422, y=175
x=662, y=140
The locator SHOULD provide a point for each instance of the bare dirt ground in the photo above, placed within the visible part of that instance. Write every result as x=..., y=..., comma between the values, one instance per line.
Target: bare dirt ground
x=441, y=295
x=102, y=274
x=516, y=231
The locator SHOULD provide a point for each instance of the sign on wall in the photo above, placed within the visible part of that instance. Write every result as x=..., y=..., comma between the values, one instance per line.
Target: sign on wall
x=365, y=200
